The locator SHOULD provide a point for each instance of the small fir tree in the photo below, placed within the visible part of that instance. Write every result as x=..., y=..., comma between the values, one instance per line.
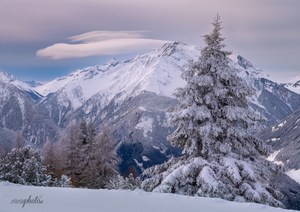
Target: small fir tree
x=124, y=183
x=24, y=166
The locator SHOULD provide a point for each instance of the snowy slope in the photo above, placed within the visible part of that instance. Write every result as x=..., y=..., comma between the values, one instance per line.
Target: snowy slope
x=6, y=78
x=19, y=113
x=157, y=71
x=132, y=98
x=293, y=86
x=78, y=200
x=285, y=140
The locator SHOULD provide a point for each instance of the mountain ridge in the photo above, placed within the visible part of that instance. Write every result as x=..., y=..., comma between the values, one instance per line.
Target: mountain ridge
x=121, y=95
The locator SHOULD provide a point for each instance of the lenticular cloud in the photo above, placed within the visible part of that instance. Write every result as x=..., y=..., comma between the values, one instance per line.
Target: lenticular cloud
x=100, y=43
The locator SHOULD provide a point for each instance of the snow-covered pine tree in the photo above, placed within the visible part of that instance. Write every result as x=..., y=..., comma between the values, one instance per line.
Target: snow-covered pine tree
x=63, y=181
x=124, y=183
x=222, y=157
x=24, y=166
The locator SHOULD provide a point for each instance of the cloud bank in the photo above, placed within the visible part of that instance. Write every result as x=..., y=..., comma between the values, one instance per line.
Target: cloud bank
x=100, y=43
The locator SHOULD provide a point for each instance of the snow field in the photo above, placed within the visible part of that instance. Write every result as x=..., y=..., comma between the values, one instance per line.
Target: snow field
x=78, y=200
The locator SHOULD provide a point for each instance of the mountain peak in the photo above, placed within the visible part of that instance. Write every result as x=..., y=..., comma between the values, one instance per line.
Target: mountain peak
x=244, y=63
x=6, y=77
x=296, y=84
x=12, y=80
x=113, y=62
x=293, y=86
x=170, y=48
x=33, y=84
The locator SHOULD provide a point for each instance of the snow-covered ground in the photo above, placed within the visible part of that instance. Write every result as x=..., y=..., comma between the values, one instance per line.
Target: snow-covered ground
x=85, y=200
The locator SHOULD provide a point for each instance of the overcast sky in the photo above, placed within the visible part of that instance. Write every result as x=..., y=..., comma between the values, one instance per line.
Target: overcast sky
x=43, y=39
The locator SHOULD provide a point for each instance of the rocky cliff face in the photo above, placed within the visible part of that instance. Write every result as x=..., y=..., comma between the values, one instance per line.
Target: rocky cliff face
x=285, y=140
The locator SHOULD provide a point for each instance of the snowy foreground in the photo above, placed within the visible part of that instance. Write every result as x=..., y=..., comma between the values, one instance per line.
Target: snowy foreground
x=85, y=200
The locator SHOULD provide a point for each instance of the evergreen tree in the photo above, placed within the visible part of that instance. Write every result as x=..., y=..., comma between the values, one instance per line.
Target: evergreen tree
x=102, y=161
x=54, y=166
x=71, y=150
x=63, y=181
x=213, y=116
x=49, y=157
x=85, y=145
x=91, y=160
x=213, y=119
x=124, y=183
x=2, y=152
x=24, y=166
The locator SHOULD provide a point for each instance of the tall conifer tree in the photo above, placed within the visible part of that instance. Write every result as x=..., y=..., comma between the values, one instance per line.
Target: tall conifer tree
x=213, y=122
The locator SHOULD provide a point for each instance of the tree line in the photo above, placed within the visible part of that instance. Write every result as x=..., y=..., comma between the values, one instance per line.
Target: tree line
x=81, y=158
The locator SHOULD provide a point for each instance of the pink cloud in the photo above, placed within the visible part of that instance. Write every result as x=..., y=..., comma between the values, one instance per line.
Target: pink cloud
x=100, y=43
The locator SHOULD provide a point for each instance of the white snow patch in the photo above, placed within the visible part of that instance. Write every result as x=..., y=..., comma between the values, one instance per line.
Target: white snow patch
x=254, y=99
x=275, y=139
x=272, y=157
x=269, y=89
x=232, y=169
x=145, y=158
x=155, y=147
x=274, y=128
x=138, y=164
x=145, y=124
x=282, y=124
x=207, y=175
x=95, y=200
x=142, y=108
x=294, y=174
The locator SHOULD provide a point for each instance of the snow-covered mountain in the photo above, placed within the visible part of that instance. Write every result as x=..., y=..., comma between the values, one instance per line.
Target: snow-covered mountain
x=33, y=84
x=272, y=99
x=8, y=79
x=19, y=113
x=132, y=98
x=158, y=71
